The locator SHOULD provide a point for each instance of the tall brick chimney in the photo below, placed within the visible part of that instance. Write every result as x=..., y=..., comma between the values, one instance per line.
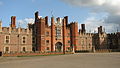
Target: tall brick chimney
x=46, y=21
x=83, y=28
x=36, y=16
x=58, y=19
x=13, y=22
x=100, y=29
x=66, y=19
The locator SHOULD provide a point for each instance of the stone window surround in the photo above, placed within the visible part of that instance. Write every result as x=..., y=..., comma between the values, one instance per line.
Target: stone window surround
x=7, y=39
x=23, y=47
x=25, y=39
x=8, y=49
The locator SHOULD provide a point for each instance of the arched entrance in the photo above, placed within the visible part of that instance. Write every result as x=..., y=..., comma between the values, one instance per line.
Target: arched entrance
x=58, y=46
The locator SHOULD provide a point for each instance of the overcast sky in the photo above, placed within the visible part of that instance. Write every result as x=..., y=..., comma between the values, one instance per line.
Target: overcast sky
x=93, y=13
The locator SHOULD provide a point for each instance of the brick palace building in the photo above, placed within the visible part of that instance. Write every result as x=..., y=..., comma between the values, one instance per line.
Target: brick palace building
x=60, y=36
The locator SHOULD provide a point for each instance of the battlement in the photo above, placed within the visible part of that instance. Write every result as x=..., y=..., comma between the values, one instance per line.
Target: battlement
x=74, y=23
x=85, y=34
x=16, y=30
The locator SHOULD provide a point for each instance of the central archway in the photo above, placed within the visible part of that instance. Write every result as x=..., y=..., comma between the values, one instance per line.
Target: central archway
x=58, y=46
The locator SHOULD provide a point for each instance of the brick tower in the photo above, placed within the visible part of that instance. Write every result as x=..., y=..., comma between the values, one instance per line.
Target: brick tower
x=40, y=32
x=64, y=33
x=52, y=34
x=74, y=35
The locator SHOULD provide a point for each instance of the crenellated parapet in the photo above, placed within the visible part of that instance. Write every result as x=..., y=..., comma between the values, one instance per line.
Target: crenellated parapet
x=16, y=30
x=86, y=34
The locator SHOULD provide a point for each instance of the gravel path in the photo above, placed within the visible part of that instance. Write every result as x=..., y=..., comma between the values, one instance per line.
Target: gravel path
x=79, y=60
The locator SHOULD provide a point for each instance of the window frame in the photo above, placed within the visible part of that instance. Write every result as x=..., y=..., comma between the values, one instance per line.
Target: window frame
x=7, y=39
x=24, y=40
x=8, y=49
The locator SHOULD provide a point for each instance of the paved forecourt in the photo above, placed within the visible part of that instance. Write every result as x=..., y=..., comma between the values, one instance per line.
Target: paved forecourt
x=81, y=60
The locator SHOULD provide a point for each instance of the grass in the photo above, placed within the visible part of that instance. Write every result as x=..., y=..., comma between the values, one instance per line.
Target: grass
x=39, y=55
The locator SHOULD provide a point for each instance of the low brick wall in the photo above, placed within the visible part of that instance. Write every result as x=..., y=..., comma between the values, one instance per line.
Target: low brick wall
x=102, y=50
x=33, y=54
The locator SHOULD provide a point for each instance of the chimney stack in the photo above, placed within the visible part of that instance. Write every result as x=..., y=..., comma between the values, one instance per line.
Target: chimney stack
x=46, y=21
x=66, y=20
x=100, y=29
x=13, y=22
x=36, y=15
x=58, y=19
x=52, y=20
x=83, y=28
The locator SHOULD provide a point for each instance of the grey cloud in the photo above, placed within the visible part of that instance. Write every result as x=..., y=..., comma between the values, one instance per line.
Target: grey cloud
x=111, y=7
x=85, y=3
x=113, y=19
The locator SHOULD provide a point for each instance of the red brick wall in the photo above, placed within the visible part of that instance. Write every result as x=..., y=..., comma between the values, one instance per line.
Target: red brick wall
x=15, y=40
